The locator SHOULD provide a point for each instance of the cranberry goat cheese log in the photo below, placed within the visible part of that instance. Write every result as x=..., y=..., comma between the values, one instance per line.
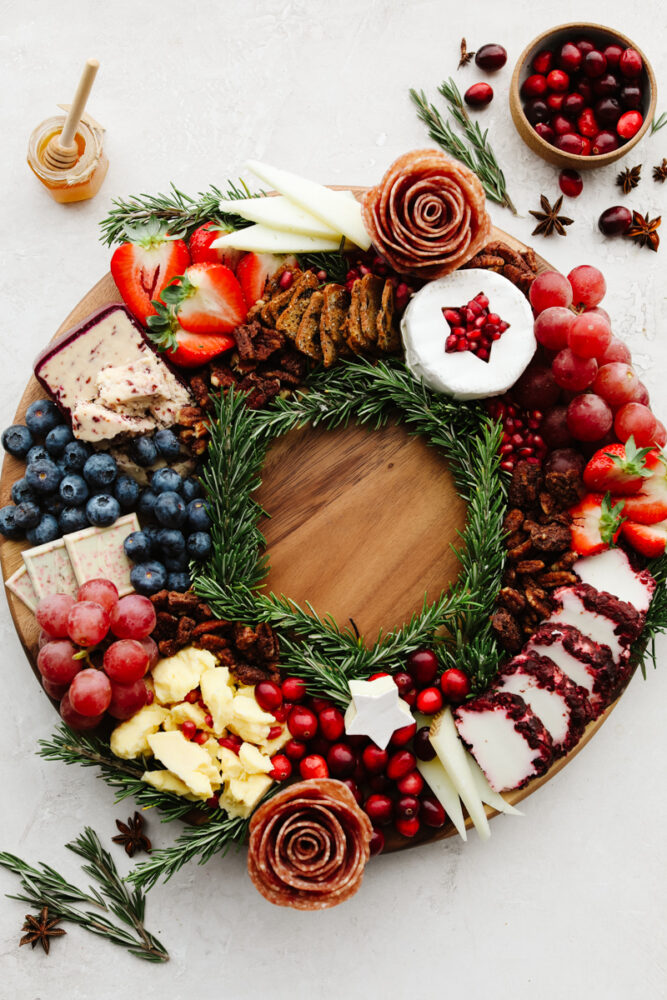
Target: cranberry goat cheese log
x=587, y=664
x=611, y=571
x=579, y=606
x=506, y=738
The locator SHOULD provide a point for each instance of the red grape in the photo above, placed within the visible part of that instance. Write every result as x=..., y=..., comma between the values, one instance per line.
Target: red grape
x=554, y=429
x=103, y=592
x=56, y=663
x=55, y=691
x=52, y=612
x=125, y=661
x=74, y=719
x=660, y=434
x=635, y=420
x=589, y=335
x=90, y=692
x=572, y=372
x=641, y=396
x=153, y=652
x=588, y=286
x=616, y=350
x=536, y=389
x=588, y=417
x=550, y=289
x=127, y=699
x=133, y=617
x=617, y=383
x=553, y=326
x=87, y=623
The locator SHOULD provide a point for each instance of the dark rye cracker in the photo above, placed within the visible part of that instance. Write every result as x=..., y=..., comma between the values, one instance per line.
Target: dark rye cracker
x=290, y=318
x=388, y=336
x=335, y=304
x=307, y=338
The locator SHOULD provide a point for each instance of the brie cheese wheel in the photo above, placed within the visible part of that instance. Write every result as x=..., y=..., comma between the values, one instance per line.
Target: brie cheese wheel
x=462, y=374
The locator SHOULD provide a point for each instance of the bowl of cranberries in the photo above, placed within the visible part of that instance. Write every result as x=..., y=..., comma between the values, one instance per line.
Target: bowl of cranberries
x=582, y=95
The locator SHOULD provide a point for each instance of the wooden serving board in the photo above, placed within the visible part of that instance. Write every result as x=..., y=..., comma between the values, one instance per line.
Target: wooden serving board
x=360, y=524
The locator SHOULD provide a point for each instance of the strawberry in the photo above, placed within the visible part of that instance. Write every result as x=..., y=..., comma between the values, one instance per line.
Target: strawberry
x=649, y=539
x=596, y=524
x=200, y=246
x=253, y=271
x=194, y=349
x=207, y=299
x=619, y=468
x=650, y=506
x=145, y=265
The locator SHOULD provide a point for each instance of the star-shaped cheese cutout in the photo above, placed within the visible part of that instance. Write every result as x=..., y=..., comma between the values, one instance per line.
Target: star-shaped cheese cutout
x=376, y=710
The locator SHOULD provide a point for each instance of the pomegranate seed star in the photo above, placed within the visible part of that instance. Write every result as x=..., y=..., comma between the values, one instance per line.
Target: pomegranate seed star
x=376, y=710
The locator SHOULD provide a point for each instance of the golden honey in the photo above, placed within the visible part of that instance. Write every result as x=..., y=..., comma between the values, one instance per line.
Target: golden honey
x=84, y=178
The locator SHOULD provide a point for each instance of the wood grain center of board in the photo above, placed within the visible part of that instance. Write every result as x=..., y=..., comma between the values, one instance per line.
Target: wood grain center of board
x=361, y=523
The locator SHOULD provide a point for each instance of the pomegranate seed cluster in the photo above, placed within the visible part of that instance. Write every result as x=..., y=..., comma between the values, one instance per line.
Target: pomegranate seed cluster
x=585, y=100
x=473, y=327
x=521, y=440
x=385, y=782
x=372, y=263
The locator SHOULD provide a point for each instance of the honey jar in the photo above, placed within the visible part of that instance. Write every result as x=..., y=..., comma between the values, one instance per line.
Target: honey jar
x=84, y=178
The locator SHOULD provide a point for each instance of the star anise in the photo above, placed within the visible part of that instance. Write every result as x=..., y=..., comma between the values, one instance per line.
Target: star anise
x=132, y=836
x=660, y=172
x=465, y=55
x=40, y=929
x=548, y=220
x=629, y=178
x=644, y=231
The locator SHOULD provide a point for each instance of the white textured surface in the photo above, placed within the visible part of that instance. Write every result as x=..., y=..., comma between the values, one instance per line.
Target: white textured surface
x=566, y=901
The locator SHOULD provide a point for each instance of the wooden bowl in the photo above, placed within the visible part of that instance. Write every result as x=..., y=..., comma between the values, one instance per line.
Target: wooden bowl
x=553, y=39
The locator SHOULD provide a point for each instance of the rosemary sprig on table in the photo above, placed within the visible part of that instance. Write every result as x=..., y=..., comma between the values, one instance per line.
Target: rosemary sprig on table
x=43, y=886
x=478, y=155
x=659, y=123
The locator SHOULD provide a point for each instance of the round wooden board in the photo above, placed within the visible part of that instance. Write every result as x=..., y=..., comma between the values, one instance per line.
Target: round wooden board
x=361, y=525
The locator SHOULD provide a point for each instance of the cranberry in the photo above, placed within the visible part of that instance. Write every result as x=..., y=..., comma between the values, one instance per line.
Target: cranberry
x=379, y=809
x=585, y=88
x=332, y=723
x=313, y=766
x=543, y=62
x=268, y=696
x=422, y=745
x=606, y=86
x=429, y=701
x=274, y=731
x=585, y=146
x=319, y=704
x=629, y=124
x=407, y=827
x=410, y=697
x=403, y=682
x=302, y=723
x=615, y=221
x=379, y=783
x=380, y=673
x=534, y=86
x=608, y=111
x=536, y=111
x=613, y=54
x=374, y=759
x=319, y=746
x=630, y=96
x=422, y=665
x=555, y=102
x=293, y=688
x=455, y=685
x=400, y=764
x=491, y=57
x=630, y=64
x=570, y=183
x=573, y=105
x=545, y=132
x=400, y=737
x=231, y=742
x=354, y=788
x=594, y=64
x=295, y=749
x=407, y=806
x=377, y=842
x=570, y=143
x=561, y=125
x=282, y=767
x=587, y=124
x=411, y=784
x=569, y=57
x=585, y=46
x=478, y=95
x=432, y=813
x=341, y=760
x=558, y=80
x=604, y=142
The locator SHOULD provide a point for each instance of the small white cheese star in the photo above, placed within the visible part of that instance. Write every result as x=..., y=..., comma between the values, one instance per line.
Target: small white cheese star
x=376, y=710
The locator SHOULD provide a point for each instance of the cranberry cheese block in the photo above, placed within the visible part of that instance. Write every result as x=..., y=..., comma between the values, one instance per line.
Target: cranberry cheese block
x=556, y=700
x=108, y=380
x=506, y=738
x=611, y=572
x=582, y=608
x=588, y=664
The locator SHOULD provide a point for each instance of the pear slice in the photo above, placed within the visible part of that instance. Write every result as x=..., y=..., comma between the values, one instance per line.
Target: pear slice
x=452, y=755
x=279, y=213
x=262, y=239
x=486, y=793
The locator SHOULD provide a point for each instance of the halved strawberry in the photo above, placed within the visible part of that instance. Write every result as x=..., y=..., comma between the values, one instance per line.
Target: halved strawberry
x=596, y=524
x=201, y=251
x=208, y=299
x=144, y=266
x=619, y=468
x=194, y=349
x=253, y=271
x=649, y=539
x=650, y=506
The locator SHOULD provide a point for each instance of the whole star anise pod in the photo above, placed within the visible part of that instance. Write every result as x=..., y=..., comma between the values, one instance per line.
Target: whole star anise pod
x=40, y=929
x=644, y=231
x=629, y=178
x=660, y=172
x=132, y=836
x=548, y=220
x=465, y=55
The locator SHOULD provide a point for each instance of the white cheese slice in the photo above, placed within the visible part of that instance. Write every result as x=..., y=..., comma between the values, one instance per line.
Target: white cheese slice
x=451, y=753
x=241, y=795
x=176, y=675
x=549, y=706
x=597, y=627
x=502, y=753
x=218, y=696
x=93, y=421
x=279, y=213
x=166, y=781
x=130, y=738
x=486, y=793
x=573, y=668
x=261, y=239
x=611, y=572
x=188, y=761
x=342, y=215
x=254, y=762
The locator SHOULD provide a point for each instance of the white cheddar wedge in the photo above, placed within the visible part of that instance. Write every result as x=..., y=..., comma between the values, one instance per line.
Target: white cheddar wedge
x=441, y=785
x=486, y=793
x=343, y=216
x=279, y=213
x=452, y=755
x=261, y=239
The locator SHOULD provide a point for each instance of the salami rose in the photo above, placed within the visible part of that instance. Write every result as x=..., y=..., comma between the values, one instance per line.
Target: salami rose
x=427, y=216
x=309, y=845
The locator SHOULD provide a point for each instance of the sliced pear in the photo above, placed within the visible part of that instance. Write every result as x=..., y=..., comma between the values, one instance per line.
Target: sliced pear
x=486, y=793
x=441, y=785
x=451, y=753
x=262, y=239
x=280, y=213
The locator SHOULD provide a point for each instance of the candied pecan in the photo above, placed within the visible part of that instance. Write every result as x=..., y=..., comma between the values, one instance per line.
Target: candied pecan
x=518, y=538
x=188, y=416
x=165, y=625
x=247, y=673
x=244, y=636
x=202, y=612
x=244, y=335
x=199, y=390
x=520, y=277
x=530, y=258
x=566, y=487
x=292, y=362
x=566, y=561
x=218, y=645
x=524, y=485
x=542, y=605
x=505, y=252
x=519, y=551
x=182, y=603
x=530, y=566
x=509, y=576
x=512, y=599
x=160, y=600
x=212, y=625
x=268, y=647
x=513, y=520
x=487, y=261
x=506, y=630
x=222, y=377
x=556, y=578
x=168, y=647
x=549, y=504
x=267, y=343
x=550, y=537
x=185, y=629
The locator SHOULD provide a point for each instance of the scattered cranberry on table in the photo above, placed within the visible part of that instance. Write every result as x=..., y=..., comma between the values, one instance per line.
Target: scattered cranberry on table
x=491, y=57
x=478, y=95
x=615, y=221
x=570, y=183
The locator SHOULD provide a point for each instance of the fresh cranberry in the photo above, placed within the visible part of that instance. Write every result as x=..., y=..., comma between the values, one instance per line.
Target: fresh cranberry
x=400, y=764
x=282, y=767
x=543, y=62
x=629, y=124
x=587, y=124
x=407, y=806
x=400, y=737
x=586, y=146
x=608, y=111
x=455, y=685
x=491, y=57
x=341, y=760
x=274, y=731
x=569, y=57
x=570, y=183
x=293, y=688
x=545, y=132
x=268, y=696
x=374, y=759
x=555, y=102
x=302, y=723
x=613, y=54
x=319, y=746
x=332, y=723
x=630, y=64
x=411, y=784
x=313, y=766
x=594, y=64
x=422, y=745
x=570, y=143
x=403, y=682
x=630, y=96
x=585, y=46
x=534, y=86
x=606, y=86
x=558, y=80
x=537, y=110
x=319, y=704
x=377, y=842
x=407, y=827
x=604, y=142
x=379, y=809
x=573, y=105
x=422, y=665
x=429, y=701
x=432, y=813
x=379, y=783
x=478, y=95
x=354, y=788
x=561, y=125
x=295, y=749
x=585, y=88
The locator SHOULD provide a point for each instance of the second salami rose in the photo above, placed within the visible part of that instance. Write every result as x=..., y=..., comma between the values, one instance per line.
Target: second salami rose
x=427, y=216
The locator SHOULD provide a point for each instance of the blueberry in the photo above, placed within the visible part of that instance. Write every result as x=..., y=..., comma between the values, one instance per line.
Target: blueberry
x=75, y=455
x=72, y=519
x=137, y=546
x=176, y=565
x=199, y=545
x=126, y=491
x=152, y=531
x=57, y=439
x=27, y=515
x=170, y=510
x=17, y=440
x=143, y=451
x=198, y=519
x=8, y=526
x=51, y=504
x=178, y=581
x=171, y=542
x=191, y=489
x=23, y=491
x=46, y=531
x=37, y=452
x=146, y=504
x=73, y=489
x=43, y=475
x=166, y=481
x=102, y=510
x=167, y=444
x=100, y=470
x=148, y=577
x=42, y=416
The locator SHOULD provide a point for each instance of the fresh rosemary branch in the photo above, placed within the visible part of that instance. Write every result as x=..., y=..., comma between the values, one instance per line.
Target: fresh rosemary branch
x=478, y=155
x=659, y=123
x=43, y=886
x=181, y=212
x=334, y=262
x=656, y=617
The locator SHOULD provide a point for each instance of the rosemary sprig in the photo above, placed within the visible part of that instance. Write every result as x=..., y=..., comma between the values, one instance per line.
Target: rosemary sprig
x=659, y=123
x=478, y=155
x=643, y=650
x=334, y=262
x=43, y=886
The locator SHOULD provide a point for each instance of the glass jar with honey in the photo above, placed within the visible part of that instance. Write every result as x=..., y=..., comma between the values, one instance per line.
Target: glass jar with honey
x=84, y=178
